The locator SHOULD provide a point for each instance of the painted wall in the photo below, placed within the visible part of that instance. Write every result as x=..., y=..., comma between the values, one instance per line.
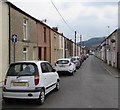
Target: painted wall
x=61, y=46
x=45, y=45
x=54, y=47
x=16, y=21
x=4, y=33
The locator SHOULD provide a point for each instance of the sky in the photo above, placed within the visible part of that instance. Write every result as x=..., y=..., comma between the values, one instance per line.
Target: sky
x=88, y=18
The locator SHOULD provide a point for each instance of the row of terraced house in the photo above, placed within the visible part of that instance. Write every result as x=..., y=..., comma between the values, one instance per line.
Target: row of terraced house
x=35, y=39
x=109, y=49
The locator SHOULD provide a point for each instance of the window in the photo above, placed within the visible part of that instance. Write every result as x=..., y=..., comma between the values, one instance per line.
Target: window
x=22, y=69
x=62, y=62
x=25, y=53
x=50, y=69
x=44, y=29
x=25, y=30
x=44, y=68
x=60, y=42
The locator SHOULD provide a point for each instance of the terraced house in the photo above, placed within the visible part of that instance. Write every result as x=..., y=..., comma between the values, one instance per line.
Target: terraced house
x=44, y=41
x=109, y=51
x=16, y=22
x=24, y=37
x=57, y=45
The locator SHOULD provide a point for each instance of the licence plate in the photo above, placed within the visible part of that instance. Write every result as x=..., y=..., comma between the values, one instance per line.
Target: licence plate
x=62, y=66
x=19, y=84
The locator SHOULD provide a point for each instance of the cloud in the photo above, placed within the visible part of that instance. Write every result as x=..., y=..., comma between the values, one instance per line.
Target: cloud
x=89, y=18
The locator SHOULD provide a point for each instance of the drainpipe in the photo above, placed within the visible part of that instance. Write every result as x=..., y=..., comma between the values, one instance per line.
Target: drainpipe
x=9, y=36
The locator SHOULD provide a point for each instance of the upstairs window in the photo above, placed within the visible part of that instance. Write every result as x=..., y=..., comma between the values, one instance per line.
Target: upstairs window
x=44, y=31
x=25, y=29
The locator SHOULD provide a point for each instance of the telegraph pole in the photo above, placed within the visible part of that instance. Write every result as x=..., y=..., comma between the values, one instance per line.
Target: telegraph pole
x=75, y=43
x=80, y=43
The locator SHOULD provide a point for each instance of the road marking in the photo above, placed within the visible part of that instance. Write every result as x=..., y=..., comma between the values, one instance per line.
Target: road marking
x=109, y=72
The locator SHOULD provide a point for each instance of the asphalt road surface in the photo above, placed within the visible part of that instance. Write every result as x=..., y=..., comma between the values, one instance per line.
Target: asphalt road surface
x=90, y=87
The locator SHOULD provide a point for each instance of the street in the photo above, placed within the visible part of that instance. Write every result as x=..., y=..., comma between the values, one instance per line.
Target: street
x=90, y=87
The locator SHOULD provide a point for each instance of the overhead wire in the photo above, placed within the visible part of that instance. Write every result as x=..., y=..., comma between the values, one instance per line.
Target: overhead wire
x=62, y=17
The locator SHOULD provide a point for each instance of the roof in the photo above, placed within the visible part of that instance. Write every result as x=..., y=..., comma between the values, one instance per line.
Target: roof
x=64, y=59
x=37, y=20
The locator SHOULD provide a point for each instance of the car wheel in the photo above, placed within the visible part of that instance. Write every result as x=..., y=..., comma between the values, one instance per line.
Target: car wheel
x=71, y=74
x=57, y=86
x=41, y=98
x=6, y=100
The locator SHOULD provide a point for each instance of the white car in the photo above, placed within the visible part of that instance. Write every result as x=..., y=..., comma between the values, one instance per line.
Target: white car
x=65, y=65
x=30, y=80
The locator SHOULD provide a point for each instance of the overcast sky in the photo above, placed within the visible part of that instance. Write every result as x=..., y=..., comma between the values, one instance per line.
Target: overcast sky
x=89, y=19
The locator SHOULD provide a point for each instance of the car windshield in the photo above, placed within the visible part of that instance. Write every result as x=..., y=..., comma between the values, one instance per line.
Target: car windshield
x=22, y=69
x=62, y=62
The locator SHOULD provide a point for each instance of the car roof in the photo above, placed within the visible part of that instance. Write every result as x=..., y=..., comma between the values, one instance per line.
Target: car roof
x=64, y=59
x=75, y=56
x=37, y=61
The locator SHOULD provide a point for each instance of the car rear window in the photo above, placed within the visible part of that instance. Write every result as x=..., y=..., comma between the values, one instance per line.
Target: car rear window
x=22, y=69
x=62, y=62
x=73, y=59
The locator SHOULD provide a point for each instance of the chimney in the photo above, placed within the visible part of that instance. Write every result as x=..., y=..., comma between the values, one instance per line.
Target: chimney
x=55, y=28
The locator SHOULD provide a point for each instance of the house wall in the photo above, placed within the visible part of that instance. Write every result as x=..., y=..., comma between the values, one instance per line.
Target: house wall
x=61, y=46
x=4, y=33
x=67, y=47
x=112, y=50
x=55, y=54
x=1, y=43
x=118, y=48
x=44, y=45
x=16, y=21
x=73, y=49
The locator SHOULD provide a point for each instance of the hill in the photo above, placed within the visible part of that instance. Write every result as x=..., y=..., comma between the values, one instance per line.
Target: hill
x=93, y=42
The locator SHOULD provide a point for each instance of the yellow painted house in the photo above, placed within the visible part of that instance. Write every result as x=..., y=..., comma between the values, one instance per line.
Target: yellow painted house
x=4, y=33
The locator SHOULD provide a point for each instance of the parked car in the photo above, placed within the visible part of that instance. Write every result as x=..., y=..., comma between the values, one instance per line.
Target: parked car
x=30, y=80
x=83, y=57
x=65, y=65
x=76, y=61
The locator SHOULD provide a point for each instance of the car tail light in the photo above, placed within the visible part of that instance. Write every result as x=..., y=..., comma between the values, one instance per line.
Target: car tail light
x=36, y=78
x=70, y=64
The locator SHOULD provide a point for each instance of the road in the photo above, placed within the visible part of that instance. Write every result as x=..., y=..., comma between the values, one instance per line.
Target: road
x=90, y=87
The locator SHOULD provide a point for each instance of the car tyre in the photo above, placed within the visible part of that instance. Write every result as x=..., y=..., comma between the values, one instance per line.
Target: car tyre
x=41, y=99
x=6, y=100
x=71, y=74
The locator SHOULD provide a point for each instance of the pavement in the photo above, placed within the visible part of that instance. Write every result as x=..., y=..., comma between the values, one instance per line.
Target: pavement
x=114, y=72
